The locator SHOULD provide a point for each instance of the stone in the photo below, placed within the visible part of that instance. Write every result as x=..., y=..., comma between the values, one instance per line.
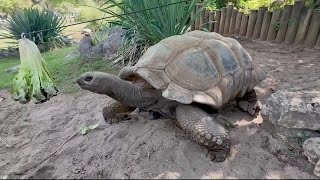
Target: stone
x=106, y=48
x=311, y=149
x=293, y=109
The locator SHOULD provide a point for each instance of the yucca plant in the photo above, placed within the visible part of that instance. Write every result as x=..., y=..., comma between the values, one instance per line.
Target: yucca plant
x=30, y=20
x=147, y=27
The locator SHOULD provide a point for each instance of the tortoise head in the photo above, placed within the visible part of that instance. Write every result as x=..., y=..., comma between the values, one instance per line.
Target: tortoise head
x=97, y=82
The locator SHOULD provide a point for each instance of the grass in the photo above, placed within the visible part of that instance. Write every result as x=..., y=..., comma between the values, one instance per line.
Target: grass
x=64, y=71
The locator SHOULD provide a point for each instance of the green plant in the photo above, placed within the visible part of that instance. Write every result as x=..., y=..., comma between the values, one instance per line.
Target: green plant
x=29, y=20
x=313, y=4
x=218, y=4
x=33, y=82
x=148, y=27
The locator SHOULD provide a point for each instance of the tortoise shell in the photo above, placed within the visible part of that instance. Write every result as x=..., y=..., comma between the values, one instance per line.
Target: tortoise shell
x=198, y=66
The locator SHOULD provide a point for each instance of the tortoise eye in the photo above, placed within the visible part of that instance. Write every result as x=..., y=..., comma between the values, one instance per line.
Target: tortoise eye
x=88, y=78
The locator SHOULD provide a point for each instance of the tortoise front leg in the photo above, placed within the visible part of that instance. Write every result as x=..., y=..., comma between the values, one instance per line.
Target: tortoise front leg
x=204, y=130
x=249, y=103
x=117, y=112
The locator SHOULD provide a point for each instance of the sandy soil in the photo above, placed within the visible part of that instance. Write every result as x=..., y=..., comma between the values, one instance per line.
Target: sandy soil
x=44, y=140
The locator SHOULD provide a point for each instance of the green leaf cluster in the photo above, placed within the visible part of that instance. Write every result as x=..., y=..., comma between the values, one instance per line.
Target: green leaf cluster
x=33, y=82
x=148, y=27
x=30, y=20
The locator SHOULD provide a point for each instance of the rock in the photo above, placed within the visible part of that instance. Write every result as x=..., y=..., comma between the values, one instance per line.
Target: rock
x=13, y=69
x=107, y=48
x=294, y=109
x=111, y=44
x=311, y=149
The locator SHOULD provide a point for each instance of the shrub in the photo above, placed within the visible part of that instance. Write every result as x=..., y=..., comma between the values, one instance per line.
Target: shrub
x=30, y=20
x=148, y=27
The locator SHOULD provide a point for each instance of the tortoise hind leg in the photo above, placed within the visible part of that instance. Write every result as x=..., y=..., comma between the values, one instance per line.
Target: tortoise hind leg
x=116, y=112
x=204, y=130
x=249, y=103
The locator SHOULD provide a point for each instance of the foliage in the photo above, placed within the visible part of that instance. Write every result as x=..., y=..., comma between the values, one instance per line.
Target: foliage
x=247, y=5
x=7, y=6
x=218, y=4
x=33, y=82
x=30, y=20
x=148, y=27
x=313, y=4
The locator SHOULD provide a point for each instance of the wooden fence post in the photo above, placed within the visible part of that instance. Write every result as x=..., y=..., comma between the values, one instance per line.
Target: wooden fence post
x=265, y=25
x=192, y=15
x=303, y=25
x=206, y=19
x=274, y=25
x=284, y=20
x=314, y=29
x=222, y=19
x=251, y=23
x=228, y=19
x=197, y=21
x=257, y=27
x=238, y=23
x=318, y=42
x=201, y=20
x=217, y=21
x=244, y=24
x=211, y=18
x=294, y=21
x=233, y=21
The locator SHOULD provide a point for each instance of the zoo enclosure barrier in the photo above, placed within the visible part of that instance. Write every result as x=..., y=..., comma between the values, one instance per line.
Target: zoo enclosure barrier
x=294, y=24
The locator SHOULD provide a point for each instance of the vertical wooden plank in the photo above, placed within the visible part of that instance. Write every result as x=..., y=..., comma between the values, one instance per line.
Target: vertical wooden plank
x=228, y=19
x=238, y=23
x=303, y=26
x=265, y=25
x=257, y=27
x=318, y=42
x=211, y=18
x=244, y=24
x=233, y=21
x=294, y=21
x=201, y=20
x=284, y=20
x=222, y=19
x=206, y=19
x=251, y=23
x=192, y=15
x=197, y=21
x=217, y=19
x=273, y=27
x=314, y=29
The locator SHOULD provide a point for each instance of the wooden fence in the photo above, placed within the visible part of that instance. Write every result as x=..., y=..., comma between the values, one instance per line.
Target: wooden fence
x=294, y=24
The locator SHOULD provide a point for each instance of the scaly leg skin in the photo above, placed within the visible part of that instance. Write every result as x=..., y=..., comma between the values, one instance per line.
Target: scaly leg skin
x=249, y=103
x=204, y=130
x=117, y=112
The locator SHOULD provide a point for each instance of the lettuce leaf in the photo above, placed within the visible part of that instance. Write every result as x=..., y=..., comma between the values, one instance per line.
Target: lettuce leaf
x=33, y=82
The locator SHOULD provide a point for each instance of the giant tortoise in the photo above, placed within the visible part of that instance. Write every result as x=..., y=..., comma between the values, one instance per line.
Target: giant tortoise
x=178, y=78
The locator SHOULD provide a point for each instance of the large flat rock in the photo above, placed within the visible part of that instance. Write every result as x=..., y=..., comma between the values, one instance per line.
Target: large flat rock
x=292, y=109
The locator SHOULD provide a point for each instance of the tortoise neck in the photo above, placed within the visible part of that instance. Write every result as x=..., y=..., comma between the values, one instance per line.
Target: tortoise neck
x=129, y=94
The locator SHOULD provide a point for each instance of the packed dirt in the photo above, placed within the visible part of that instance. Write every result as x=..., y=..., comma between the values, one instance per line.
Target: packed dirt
x=44, y=140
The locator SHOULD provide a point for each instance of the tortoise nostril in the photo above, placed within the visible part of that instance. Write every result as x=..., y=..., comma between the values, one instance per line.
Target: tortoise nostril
x=88, y=78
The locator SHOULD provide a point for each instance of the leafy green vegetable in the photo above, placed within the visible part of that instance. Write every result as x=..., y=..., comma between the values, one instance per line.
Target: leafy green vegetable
x=85, y=130
x=33, y=82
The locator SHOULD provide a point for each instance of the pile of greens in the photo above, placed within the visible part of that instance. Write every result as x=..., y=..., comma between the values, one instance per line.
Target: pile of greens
x=33, y=82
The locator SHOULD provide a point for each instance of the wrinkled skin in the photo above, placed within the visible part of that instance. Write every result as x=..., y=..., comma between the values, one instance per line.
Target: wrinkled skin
x=194, y=121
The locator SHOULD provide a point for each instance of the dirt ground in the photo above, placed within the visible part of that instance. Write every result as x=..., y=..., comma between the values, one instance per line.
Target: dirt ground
x=44, y=140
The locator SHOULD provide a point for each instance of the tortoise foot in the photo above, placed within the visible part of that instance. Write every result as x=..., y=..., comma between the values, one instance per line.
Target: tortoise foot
x=249, y=103
x=204, y=130
x=117, y=112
